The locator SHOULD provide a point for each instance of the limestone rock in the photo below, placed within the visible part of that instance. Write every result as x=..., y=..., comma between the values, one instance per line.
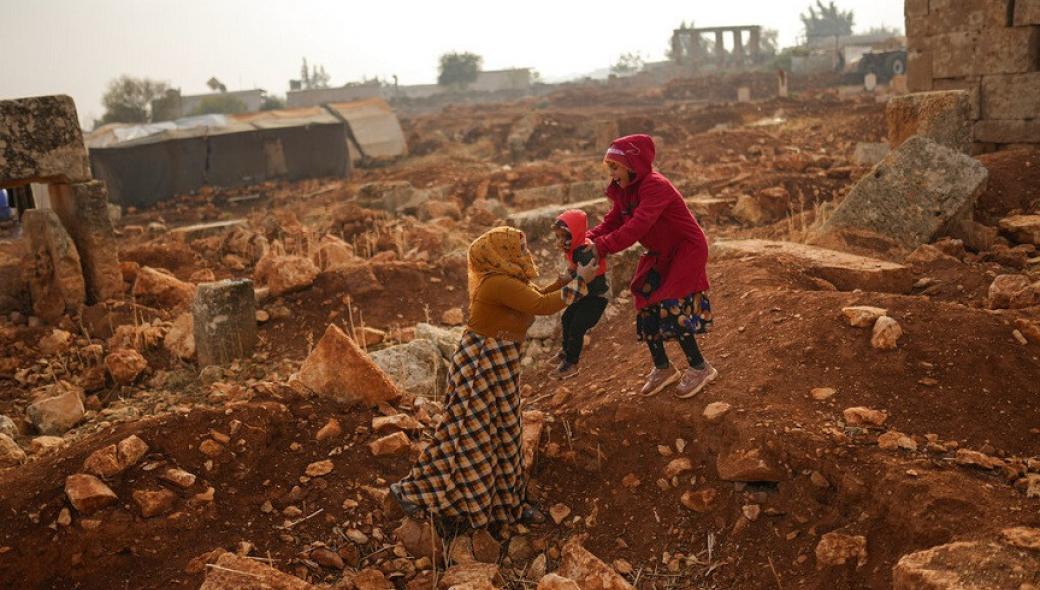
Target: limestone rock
x=967, y=565
x=822, y=393
x=154, y=502
x=179, y=478
x=56, y=282
x=237, y=573
x=224, y=321
x=748, y=465
x=284, y=273
x=1013, y=292
x=390, y=444
x=587, y=570
x=559, y=512
x=1024, y=229
x=716, y=411
x=863, y=416
x=334, y=253
x=701, y=500
x=10, y=453
x=869, y=154
x=368, y=579
x=59, y=411
x=453, y=317
x=446, y=340
x=479, y=574
x=87, y=493
x=332, y=429
x=943, y=116
x=845, y=271
x=838, y=549
x=83, y=209
x=914, y=195
x=395, y=422
x=319, y=468
x=863, y=316
x=8, y=427
x=416, y=367
x=976, y=459
x=125, y=365
x=1023, y=537
x=180, y=339
x=886, y=334
x=158, y=288
x=56, y=342
x=677, y=467
x=338, y=368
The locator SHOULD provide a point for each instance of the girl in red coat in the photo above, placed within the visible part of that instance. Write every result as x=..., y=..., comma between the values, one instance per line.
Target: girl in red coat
x=671, y=282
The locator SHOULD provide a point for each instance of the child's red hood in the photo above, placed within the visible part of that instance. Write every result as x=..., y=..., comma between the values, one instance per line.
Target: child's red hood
x=578, y=224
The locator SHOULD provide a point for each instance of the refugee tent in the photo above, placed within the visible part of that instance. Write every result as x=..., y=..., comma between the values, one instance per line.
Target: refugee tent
x=373, y=126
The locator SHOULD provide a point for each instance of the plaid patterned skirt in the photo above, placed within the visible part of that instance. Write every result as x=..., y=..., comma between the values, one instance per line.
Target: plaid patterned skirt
x=473, y=471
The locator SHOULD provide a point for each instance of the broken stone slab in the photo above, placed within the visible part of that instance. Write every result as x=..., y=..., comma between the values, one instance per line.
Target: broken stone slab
x=59, y=409
x=416, y=367
x=224, y=321
x=238, y=573
x=338, y=368
x=845, y=271
x=913, y=196
x=1024, y=229
x=56, y=282
x=943, y=116
x=870, y=154
x=87, y=493
x=41, y=141
x=968, y=565
x=83, y=209
x=187, y=233
x=587, y=570
x=158, y=288
x=14, y=288
x=284, y=273
x=537, y=223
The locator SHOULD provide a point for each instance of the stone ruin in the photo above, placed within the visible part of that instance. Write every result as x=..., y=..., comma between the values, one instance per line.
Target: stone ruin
x=69, y=257
x=988, y=48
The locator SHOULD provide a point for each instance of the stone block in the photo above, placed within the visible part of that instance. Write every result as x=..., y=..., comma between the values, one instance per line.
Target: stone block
x=919, y=73
x=972, y=85
x=1008, y=131
x=913, y=195
x=83, y=209
x=56, y=282
x=41, y=141
x=944, y=117
x=416, y=367
x=869, y=154
x=1011, y=50
x=235, y=573
x=1014, y=96
x=1027, y=12
x=224, y=321
x=338, y=368
x=947, y=16
x=14, y=290
x=954, y=54
x=975, y=564
x=915, y=8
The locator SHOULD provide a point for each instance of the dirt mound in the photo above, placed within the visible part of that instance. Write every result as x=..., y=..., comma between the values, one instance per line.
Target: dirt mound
x=1014, y=184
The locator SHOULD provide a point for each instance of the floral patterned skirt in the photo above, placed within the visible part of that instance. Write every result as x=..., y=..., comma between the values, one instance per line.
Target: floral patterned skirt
x=672, y=318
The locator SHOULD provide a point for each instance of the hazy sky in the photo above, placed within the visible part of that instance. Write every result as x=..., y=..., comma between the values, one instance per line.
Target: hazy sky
x=76, y=46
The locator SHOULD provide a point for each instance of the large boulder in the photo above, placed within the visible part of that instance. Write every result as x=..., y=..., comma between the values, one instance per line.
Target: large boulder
x=975, y=565
x=41, y=141
x=416, y=367
x=157, y=287
x=446, y=339
x=56, y=282
x=284, y=273
x=942, y=116
x=59, y=408
x=918, y=192
x=537, y=223
x=338, y=368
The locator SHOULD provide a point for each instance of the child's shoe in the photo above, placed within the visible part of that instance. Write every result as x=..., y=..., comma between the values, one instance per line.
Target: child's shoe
x=694, y=380
x=566, y=370
x=658, y=380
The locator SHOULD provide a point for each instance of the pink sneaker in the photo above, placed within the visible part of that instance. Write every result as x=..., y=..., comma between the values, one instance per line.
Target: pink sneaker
x=694, y=380
x=658, y=380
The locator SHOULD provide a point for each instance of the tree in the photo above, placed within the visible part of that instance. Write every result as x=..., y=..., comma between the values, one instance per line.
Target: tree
x=221, y=104
x=272, y=102
x=313, y=77
x=128, y=99
x=827, y=20
x=459, y=69
x=167, y=107
x=769, y=42
x=627, y=63
x=216, y=85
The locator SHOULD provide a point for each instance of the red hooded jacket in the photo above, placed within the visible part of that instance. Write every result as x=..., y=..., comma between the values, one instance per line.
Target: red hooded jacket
x=652, y=212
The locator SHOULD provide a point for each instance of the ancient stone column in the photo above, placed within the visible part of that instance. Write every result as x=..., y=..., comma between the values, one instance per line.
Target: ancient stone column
x=720, y=48
x=224, y=321
x=755, y=43
x=677, y=47
x=56, y=279
x=738, y=47
x=83, y=209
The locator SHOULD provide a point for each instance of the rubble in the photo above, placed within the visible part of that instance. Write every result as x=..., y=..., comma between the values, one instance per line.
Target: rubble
x=157, y=287
x=56, y=281
x=59, y=408
x=1024, y=229
x=416, y=367
x=234, y=572
x=88, y=494
x=283, y=273
x=886, y=334
x=837, y=549
x=587, y=570
x=125, y=365
x=10, y=453
x=962, y=563
x=944, y=117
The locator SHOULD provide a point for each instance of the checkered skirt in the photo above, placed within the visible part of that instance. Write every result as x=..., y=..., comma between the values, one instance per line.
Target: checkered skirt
x=473, y=471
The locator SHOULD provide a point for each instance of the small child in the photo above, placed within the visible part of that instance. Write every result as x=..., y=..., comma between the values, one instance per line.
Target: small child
x=579, y=317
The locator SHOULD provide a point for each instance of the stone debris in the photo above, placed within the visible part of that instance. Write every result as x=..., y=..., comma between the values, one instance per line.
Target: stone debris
x=533, y=423
x=822, y=393
x=236, y=573
x=154, y=502
x=863, y=416
x=125, y=365
x=748, y=465
x=284, y=274
x=557, y=582
x=331, y=430
x=886, y=334
x=716, y=411
x=1024, y=229
x=416, y=367
x=700, y=500
x=56, y=282
x=224, y=321
x=479, y=574
x=338, y=368
x=391, y=444
x=453, y=317
x=395, y=422
x=962, y=564
x=559, y=512
x=837, y=549
x=58, y=409
x=111, y=460
x=319, y=468
x=1013, y=291
x=863, y=316
x=578, y=564
x=677, y=467
x=10, y=453
x=88, y=494
x=179, y=478
x=158, y=288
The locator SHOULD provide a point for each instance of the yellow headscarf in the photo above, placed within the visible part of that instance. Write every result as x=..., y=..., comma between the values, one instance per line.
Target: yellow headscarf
x=500, y=251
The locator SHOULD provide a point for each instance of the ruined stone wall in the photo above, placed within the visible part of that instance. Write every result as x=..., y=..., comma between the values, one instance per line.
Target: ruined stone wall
x=991, y=48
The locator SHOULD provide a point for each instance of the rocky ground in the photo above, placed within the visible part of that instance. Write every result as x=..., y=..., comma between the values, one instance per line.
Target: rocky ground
x=876, y=422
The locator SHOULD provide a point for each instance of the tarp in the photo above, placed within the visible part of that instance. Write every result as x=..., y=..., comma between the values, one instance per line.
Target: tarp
x=116, y=133
x=374, y=127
